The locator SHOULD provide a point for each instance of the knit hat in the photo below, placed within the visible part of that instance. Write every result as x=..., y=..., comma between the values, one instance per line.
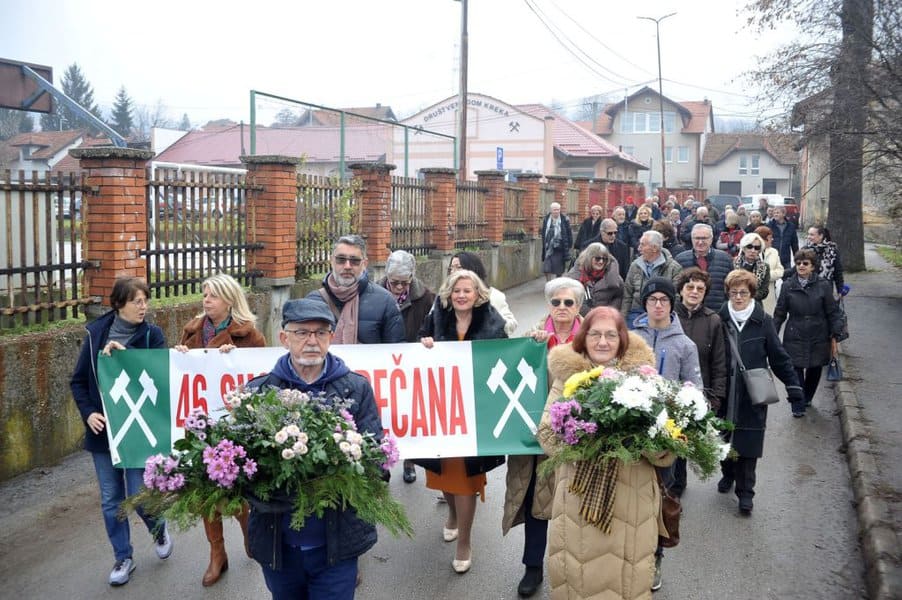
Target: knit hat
x=662, y=285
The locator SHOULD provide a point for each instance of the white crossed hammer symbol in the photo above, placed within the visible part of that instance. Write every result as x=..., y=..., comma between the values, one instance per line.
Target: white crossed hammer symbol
x=496, y=380
x=119, y=391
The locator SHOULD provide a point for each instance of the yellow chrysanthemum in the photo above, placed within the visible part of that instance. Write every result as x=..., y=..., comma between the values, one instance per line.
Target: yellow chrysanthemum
x=578, y=380
x=671, y=428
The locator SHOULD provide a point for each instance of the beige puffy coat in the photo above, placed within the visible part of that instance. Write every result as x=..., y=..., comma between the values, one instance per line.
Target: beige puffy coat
x=583, y=562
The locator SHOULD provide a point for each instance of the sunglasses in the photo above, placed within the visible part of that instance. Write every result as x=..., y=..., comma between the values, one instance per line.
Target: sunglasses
x=568, y=302
x=610, y=232
x=753, y=247
x=341, y=259
x=803, y=263
x=599, y=258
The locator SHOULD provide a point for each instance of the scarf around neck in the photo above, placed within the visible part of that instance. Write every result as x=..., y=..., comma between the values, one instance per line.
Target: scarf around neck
x=741, y=317
x=346, y=328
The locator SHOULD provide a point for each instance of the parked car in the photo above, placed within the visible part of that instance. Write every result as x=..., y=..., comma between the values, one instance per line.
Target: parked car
x=752, y=201
x=720, y=201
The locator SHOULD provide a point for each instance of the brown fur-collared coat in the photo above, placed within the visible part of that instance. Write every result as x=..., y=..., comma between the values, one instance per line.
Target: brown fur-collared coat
x=243, y=335
x=584, y=562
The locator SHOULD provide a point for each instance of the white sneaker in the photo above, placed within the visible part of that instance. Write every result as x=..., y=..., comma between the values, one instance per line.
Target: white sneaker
x=163, y=542
x=121, y=571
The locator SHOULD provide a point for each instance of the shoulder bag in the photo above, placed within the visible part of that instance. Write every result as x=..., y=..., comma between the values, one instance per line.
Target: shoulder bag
x=759, y=383
x=671, y=509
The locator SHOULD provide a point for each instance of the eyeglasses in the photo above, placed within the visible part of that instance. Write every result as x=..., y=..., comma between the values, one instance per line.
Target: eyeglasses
x=140, y=303
x=702, y=239
x=803, y=263
x=304, y=334
x=340, y=259
x=659, y=300
x=398, y=284
x=739, y=294
x=610, y=232
x=595, y=336
x=599, y=258
x=568, y=302
x=689, y=287
x=753, y=247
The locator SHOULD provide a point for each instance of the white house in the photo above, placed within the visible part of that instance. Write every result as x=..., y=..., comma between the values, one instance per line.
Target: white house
x=744, y=164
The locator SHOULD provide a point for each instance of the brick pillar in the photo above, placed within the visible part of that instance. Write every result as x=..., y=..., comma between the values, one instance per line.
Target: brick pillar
x=116, y=232
x=582, y=184
x=493, y=182
x=274, y=210
x=374, y=200
x=532, y=183
x=441, y=203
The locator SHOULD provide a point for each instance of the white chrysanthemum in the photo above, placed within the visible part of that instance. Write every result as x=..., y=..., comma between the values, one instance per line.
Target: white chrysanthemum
x=345, y=447
x=293, y=430
x=302, y=438
x=287, y=453
x=722, y=451
x=356, y=452
x=692, y=398
x=300, y=448
x=281, y=436
x=635, y=392
x=354, y=437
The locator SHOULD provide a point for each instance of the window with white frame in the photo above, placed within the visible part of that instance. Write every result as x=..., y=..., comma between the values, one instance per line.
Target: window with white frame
x=646, y=122
x=668, y=154
x=743, y=165
x=683, y=154
x=755, y=168
x=631, y=150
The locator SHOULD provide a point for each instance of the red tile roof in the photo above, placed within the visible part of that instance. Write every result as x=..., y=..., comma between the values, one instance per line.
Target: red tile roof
x=49, y=144
x=222, y=147
x=719, y=146
x=696, y=114
x=71, y=165
x=573, y=140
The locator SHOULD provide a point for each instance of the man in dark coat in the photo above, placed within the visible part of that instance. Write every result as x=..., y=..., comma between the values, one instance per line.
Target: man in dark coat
x=786, y=236
x=320, y=560
x=617, y=248
x=557, y=239
x=715, y=263
x=704, y=328
x=366, y=313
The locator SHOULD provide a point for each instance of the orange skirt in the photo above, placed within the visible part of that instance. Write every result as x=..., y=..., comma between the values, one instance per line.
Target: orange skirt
x=454, y=480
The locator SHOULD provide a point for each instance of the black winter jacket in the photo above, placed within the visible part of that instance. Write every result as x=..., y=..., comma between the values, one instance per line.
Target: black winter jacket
x=589, y=232
x=83, y=383
x=566, y=236
x=378, y=318
x=760, y=347
x=347, y=536
x=719, y=266
x=705, y=328
x=414, y=308
x=812, y=319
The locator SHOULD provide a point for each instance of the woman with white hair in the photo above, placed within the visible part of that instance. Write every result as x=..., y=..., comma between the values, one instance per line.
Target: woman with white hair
x=226, y=323
x=751, y=259
x=599, y=274
x=414, y=301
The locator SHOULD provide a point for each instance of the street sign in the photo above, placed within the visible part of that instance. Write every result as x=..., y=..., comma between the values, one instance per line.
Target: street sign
x=499, y=158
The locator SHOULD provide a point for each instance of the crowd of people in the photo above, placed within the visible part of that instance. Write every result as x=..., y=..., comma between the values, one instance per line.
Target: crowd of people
x=695, y=295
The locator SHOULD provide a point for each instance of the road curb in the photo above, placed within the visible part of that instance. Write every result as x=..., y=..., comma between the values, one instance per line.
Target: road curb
x=879, y=543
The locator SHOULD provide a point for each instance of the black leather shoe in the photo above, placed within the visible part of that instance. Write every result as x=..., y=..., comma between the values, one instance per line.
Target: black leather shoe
x=410, y=474
x=531, y=582
x=724, y=485
x=745, y=506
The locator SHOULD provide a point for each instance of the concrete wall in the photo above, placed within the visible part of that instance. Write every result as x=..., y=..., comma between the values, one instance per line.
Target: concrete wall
x=39, y=424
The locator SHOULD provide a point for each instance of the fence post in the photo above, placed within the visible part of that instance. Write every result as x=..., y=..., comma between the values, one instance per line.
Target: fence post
x=374, y=200
x=493, y=182
x=116, y=230
x=272, y=207
x=532, y=183
x=441, y=203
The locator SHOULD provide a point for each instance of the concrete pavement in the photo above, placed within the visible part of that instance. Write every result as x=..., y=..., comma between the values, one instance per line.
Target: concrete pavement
x=867, y=401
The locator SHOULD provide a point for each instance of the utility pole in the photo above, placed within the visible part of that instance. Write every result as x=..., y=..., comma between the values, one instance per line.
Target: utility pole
x=462, y=101
x=657, y=23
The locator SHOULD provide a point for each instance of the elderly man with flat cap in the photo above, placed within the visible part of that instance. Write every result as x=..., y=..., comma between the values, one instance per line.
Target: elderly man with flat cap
x=320, y=560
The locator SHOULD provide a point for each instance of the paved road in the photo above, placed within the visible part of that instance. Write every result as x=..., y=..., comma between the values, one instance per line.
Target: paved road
x=800, y=543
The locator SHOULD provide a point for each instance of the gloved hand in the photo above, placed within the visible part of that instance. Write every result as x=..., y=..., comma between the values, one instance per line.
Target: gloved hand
x=796, y=398
x=845, y=289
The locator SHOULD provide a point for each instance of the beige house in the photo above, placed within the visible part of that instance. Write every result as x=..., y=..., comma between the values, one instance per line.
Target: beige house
x=528, y=138
x=634, y=126
x=746, y=163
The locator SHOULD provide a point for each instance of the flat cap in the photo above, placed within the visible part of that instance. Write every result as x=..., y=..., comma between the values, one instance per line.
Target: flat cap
x=307, y=309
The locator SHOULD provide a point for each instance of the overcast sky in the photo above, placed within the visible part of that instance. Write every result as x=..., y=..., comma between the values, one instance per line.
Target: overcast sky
x=202, y=58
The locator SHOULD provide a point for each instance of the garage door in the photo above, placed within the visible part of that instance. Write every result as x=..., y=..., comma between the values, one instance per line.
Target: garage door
x=730, y=187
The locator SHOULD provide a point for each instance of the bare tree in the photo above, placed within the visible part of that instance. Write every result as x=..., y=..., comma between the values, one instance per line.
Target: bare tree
x=148, y=117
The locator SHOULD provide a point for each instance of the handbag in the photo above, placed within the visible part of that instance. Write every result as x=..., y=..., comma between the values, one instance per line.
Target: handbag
x=834, y=369
x=671, y=509
x=759, y=383
x=843, y=333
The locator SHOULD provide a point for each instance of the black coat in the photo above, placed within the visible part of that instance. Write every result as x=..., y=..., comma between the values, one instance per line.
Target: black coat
x=566, y=236
x=414, y=308
x=812, y=319
x=378, y=318
x=759, y=347
x=441, y=325
x=636, y=231
x=589, y=232
x=705, y=328
x=621, y=252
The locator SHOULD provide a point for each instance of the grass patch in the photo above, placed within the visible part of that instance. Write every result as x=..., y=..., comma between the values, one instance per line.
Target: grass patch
x=41, y=327
x=891, y=254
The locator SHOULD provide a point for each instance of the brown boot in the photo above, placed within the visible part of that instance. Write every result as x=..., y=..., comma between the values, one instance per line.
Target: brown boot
x=219, y=562
x=242, y=520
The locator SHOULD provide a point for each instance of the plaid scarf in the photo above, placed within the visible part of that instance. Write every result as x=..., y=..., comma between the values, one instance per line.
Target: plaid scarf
x=596, y=481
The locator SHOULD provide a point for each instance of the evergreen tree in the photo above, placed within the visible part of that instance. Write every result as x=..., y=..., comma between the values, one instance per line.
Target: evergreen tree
x=76, y=86
x=122, y=113
x=13, y=122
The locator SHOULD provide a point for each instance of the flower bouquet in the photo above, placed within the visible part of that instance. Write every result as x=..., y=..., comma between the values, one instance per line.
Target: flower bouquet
x=279, y=446
x=606, y=418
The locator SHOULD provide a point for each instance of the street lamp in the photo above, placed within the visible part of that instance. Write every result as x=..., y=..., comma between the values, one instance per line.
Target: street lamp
x=657, y=23
x=462, y=101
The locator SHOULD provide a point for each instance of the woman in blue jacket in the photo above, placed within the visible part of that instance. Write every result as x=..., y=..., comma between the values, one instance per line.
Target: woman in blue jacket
x=121, y=328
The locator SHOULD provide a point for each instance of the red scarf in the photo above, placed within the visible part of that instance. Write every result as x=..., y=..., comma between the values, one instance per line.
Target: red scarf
x=591, y=276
